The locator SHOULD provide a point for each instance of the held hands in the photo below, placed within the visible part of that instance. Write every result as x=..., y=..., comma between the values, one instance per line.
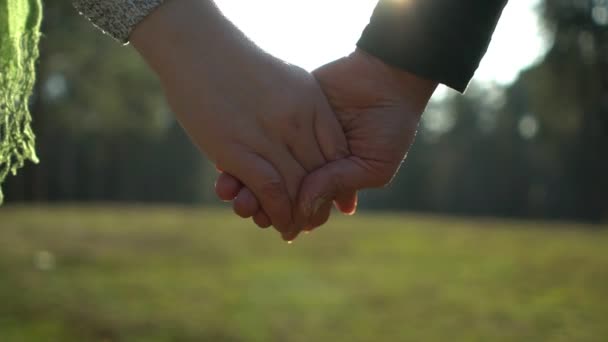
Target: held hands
x=259, y=119
x=379, y=108
x=269, y=127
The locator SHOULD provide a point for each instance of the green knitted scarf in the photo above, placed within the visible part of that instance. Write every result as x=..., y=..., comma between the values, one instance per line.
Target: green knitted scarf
x=19, y=35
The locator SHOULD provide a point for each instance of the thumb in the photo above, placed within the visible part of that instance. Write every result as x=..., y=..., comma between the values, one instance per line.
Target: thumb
x=331, y=182
x=347, y=202
x=334, y=146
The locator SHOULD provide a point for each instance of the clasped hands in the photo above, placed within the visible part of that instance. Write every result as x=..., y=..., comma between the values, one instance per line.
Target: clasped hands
x=377, y=109
x=289, y=144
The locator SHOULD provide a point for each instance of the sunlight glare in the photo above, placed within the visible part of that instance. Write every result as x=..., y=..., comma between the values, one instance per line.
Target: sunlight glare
x=310, y=33
x=305, y=33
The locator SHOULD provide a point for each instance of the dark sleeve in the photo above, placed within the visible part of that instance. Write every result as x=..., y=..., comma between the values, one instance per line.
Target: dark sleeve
x=441, y=40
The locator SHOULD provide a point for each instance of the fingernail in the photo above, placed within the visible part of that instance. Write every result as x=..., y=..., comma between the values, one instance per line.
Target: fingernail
x=353, y=212
x=290, y=236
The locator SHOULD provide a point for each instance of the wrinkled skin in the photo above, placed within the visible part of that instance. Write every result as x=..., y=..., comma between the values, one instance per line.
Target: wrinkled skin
x=379, y=108
x=258, y=118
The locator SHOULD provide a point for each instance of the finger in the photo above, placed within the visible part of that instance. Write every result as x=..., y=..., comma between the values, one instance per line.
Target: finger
x=291, y=236
x=332, y=143
x=320, y=217
x=261, y=219
x=303, y=145
x=347, y=202
x=329, y=133
x=227, y=187
x=245, y=204
x=292, y=173
x=332, y=139
x=306, y=150
x=227, y=181
x=339, y=177
x=264, y=180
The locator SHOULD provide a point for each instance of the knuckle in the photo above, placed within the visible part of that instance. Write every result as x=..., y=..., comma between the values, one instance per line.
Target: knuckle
x=339, y=152
x=337, y=181
x=272, y=190
x=292, y=123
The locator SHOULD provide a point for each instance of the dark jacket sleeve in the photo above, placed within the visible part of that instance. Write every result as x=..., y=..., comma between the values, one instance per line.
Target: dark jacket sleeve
x=441, y=40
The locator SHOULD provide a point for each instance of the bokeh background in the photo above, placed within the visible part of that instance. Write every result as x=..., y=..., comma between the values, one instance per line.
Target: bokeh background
x=494, y=229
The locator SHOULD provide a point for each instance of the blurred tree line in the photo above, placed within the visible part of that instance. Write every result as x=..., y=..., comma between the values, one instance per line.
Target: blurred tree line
x=537, y=149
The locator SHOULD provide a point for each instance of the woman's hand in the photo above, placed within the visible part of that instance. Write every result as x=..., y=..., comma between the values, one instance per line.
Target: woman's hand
x=265, y=122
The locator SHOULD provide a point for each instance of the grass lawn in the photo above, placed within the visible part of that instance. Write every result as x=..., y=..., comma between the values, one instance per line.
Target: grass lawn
x=186, y=274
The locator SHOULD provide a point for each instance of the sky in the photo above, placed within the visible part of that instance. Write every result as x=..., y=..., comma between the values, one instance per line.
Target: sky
x=310, y=33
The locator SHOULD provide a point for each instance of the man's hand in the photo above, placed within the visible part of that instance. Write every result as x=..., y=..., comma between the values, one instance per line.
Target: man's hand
x=379, y=108
x=258, y=118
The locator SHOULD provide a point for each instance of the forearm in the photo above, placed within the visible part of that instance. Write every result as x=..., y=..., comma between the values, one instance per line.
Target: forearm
x=442, y=40
x=164, y=31
x=187, y=38
x=180, y=32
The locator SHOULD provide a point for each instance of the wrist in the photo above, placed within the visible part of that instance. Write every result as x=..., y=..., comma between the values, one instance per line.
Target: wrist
x=186, y=37
x=412, y=88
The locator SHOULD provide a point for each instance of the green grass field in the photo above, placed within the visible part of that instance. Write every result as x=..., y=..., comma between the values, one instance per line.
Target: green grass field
x=179, y=274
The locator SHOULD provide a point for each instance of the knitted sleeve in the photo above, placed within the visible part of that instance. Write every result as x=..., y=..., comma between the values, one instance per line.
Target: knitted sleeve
x=116, y=17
